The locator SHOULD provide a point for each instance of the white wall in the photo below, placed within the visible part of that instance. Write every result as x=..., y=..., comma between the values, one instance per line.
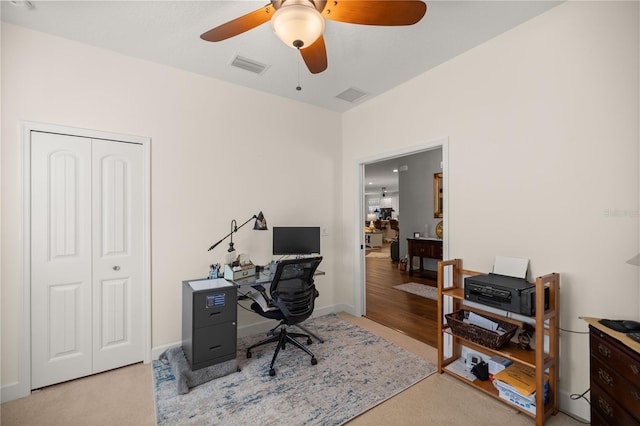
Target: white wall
x=218, y=152
x=543, y=135
x=416, y=185
x=543, y=160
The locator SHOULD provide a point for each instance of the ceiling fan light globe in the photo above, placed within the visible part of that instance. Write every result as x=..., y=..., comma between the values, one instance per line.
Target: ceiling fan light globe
x=298, y=25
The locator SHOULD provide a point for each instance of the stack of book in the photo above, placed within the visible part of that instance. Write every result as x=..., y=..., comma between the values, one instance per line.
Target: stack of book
x=516, y=383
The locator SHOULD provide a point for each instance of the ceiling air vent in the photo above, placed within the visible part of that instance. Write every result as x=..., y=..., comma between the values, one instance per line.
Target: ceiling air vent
x=249, y=65
x=351, y=95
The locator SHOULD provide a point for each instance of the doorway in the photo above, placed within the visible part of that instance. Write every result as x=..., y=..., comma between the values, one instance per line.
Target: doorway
x=87, y=253
x=406, y=312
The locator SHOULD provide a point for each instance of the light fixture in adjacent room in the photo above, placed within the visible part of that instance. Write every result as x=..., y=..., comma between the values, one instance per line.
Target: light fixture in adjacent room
x=297, y=23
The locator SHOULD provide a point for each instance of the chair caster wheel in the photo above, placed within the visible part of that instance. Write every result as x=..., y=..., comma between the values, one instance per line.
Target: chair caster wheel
x=272, y=372
x=309, y=341
x=314, y=361
x=248, y=354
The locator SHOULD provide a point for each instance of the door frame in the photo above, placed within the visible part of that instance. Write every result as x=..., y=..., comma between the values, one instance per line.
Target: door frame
x=360, y=279
x=24, y=332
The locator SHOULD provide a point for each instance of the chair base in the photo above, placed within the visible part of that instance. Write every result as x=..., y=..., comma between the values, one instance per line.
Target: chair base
x=283, y=337
x=315, y=336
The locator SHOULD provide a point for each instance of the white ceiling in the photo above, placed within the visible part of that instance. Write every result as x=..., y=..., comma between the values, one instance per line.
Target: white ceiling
x=381, y=175
x=370, y=59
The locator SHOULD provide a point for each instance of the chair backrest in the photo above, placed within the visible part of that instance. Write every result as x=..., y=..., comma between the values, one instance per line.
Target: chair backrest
x=293, y=290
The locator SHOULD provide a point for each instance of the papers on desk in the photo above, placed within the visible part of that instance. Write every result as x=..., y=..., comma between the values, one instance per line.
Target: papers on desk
x=209, y=284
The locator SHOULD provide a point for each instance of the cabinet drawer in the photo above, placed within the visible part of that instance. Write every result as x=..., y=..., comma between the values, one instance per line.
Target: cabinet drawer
x=425, y=248
x=622, y=391
x=215, y=344
x=214, y=307
x=596, y=419
x=608, y=409
x=616, y=355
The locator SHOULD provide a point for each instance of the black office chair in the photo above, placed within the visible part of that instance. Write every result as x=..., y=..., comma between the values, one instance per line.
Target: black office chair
x=291, y=301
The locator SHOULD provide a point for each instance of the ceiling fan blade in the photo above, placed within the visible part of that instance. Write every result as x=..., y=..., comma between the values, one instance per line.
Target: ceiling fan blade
x=239, y=25
x=376, y=12
x=315, y=56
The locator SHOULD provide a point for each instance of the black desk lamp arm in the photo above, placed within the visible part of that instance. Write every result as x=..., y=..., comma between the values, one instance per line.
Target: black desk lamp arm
x=234, y=229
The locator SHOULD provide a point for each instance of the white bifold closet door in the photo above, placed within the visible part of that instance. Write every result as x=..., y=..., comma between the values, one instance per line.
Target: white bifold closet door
x=86, y=256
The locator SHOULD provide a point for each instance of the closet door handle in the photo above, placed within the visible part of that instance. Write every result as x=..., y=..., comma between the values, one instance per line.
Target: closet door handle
x=116, y=268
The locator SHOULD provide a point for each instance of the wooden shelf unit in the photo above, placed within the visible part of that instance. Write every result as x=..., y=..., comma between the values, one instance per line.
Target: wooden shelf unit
x=545, y=363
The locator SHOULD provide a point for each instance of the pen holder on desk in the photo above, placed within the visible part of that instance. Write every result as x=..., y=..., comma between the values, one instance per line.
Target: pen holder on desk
x=215, y=272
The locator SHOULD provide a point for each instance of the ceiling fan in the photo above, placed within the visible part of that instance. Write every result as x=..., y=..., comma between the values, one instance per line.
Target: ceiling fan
x=300, y=23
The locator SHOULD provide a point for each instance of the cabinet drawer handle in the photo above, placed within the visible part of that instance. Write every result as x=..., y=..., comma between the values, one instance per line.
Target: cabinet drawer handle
x=605, y=377
x=635, y=369
x=605, y=351
x=605, y=407
x=636, y=395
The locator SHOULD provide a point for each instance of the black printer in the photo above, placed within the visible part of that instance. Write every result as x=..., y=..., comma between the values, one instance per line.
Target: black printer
x=503, y=292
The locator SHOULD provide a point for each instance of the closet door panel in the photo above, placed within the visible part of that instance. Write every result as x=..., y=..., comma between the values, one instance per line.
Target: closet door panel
x=117, y=254
x=60, y=258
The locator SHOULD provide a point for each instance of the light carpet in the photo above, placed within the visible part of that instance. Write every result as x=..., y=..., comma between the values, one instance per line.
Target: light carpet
x=356, y=370
x=379, y=254
x=420, y=289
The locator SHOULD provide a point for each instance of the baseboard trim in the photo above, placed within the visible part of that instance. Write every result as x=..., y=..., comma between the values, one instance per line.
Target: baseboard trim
x=572, y=407
x=12, y=391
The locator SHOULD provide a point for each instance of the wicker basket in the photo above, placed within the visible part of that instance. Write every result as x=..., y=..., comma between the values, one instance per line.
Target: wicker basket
x=479, y=335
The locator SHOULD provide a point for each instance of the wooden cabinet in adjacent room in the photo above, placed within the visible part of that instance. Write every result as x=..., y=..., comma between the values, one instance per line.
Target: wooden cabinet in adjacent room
x=429, y=248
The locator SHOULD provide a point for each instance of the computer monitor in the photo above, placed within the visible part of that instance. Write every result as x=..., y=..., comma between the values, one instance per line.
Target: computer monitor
x=296, y=240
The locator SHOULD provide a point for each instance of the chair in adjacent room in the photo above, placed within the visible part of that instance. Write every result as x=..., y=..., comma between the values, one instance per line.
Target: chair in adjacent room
x=291, y=300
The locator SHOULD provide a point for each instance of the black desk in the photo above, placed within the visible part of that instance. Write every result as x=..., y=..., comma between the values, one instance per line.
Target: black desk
x=210, y=315
x=262, y=278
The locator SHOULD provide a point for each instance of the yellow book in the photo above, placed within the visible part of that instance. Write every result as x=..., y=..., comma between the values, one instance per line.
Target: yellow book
x=520, y=377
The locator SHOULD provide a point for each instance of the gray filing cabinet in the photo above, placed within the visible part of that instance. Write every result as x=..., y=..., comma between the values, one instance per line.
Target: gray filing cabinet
x=209, y=315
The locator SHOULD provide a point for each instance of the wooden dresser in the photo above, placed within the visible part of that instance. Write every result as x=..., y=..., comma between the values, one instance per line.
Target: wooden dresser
x=423, y=247
x=615, y=377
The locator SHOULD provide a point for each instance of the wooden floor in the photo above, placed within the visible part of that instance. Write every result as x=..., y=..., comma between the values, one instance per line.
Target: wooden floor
x=408, y=313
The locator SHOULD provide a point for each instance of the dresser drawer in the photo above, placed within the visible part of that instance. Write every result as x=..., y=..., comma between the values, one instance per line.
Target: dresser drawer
x=608, y=409
x=616, y=355
x=597, y=420
x=622, y=391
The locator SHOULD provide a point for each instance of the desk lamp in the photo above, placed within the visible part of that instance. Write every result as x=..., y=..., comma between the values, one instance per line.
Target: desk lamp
x=259, y=225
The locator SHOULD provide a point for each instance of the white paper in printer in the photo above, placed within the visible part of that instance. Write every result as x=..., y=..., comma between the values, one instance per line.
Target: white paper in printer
x=511, y=266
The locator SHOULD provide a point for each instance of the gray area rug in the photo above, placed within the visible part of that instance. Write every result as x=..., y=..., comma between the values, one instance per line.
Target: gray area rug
x=420, y=289
x=356, y=371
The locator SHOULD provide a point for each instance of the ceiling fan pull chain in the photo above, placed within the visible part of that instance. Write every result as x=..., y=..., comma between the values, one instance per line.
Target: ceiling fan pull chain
x=298, y=87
